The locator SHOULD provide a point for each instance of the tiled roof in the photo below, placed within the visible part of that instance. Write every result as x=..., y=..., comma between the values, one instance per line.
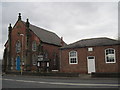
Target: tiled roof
x=92, y=42
x=45, y=36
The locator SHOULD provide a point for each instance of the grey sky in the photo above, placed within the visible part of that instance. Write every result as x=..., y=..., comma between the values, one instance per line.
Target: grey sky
x=71, y=20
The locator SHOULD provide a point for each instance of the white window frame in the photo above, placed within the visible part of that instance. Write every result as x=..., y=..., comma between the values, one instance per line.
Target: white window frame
x=73, y=57
x=106, y=56
x=34, y=46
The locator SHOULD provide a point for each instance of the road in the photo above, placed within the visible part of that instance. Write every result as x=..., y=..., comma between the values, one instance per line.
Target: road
x=13, y=81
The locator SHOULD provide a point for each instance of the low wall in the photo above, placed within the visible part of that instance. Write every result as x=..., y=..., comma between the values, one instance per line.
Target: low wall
x=59, y=74
x=46, y=74
x=104, y=75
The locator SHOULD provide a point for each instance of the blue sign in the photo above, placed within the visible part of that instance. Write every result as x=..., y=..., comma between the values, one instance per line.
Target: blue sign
x=18, y=63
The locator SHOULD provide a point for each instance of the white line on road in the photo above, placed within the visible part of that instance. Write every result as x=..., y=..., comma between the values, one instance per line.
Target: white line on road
x=74, y=84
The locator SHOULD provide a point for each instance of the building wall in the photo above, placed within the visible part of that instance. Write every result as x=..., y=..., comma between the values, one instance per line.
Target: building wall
x=83, y=53
x=27, y=52
x=18, y=28
x=53, y=55
x=30, y=53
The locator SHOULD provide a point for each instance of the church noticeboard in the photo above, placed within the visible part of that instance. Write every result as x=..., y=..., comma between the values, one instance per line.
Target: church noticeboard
x=40, y=57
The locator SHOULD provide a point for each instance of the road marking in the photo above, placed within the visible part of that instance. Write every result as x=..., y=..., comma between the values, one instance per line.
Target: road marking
x=78, y=84
x=74, y=84
x=9, y=79
x=20, y=80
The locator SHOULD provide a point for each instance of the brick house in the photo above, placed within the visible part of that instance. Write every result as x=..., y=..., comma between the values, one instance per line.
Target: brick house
x=31, y=47
x=100, y=55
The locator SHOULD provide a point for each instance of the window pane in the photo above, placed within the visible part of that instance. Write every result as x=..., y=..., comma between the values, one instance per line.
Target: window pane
x=73, y=60
x=110, y=55
x=34, y=59
x=106, y=52
x=34, y=46
x=18, y=46
x=73, y=57
x=112, y=52
x=72, y=54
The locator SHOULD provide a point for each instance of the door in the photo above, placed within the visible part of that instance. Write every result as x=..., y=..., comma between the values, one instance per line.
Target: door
x=18, y=63
x=91, y=64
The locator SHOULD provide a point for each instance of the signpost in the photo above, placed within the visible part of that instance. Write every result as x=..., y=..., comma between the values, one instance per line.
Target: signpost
x=40, y=58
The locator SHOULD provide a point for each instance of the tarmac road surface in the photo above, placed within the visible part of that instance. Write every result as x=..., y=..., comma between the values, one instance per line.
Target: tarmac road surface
x=18, y=81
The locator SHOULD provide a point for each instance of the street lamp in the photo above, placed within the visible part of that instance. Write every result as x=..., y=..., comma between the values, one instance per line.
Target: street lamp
x=22, y=52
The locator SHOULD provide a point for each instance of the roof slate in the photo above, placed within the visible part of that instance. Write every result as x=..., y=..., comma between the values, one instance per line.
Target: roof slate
x=45, y=36
x=92, y=42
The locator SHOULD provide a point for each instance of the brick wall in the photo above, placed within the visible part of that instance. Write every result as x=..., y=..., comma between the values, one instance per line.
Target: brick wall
x=52, y=50
x=27, y=54
x=18, y=28
x=83, y=53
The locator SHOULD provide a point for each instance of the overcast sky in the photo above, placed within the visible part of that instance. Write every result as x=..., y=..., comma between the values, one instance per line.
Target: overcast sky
x=71, y=20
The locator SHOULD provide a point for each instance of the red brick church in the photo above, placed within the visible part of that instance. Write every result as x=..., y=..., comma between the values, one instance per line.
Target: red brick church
x=31, y=47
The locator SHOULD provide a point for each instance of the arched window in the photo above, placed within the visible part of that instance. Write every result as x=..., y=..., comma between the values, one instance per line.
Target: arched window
x=34, y=59
x=34, y=46
x=110, y=55
x=45, y=54
x=54, y=59
x=73, y=57
x=18, y=46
